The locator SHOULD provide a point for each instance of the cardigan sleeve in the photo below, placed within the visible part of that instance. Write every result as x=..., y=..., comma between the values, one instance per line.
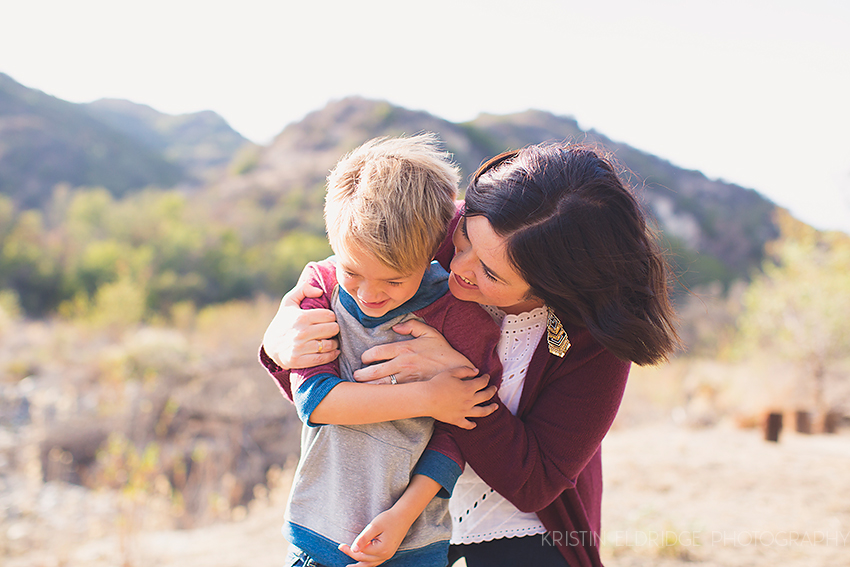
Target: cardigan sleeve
x=473, y=333
x=280, y=375
x=567, y=407
x=292, y=382
x=309, y=386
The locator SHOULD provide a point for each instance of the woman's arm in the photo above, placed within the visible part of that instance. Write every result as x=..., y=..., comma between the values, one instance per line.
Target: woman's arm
x=567, y=407
x=425, y=355
x=291, y=339
x=321, y=397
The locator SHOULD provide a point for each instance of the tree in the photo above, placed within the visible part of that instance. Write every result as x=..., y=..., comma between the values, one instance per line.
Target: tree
x=798, y=308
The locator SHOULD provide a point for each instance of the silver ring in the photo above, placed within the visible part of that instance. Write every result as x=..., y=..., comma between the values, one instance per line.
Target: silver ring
x=393, y=379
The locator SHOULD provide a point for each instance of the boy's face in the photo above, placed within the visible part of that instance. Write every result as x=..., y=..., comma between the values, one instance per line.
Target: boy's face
x=377, y=288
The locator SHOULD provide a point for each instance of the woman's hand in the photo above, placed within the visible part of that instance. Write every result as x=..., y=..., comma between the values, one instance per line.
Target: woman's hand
x=420, y=358
x=299, y=338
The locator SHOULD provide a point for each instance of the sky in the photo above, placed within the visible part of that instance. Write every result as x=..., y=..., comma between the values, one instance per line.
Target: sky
x=751, y=92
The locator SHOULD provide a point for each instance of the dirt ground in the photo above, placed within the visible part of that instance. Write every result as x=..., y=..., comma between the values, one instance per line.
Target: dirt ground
x=724, y=497
x=674, y=495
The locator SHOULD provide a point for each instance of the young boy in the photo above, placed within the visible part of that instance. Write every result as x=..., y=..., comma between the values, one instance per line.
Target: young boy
x=388, y=206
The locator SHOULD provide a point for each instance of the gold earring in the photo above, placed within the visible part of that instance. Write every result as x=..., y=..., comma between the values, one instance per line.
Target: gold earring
x=556, y=336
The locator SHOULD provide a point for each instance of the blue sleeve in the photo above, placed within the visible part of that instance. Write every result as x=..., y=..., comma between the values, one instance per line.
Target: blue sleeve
x=440, y=468
x=311, y=393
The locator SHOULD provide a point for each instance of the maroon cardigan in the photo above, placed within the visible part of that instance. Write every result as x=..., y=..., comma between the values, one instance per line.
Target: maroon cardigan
x=546, y=459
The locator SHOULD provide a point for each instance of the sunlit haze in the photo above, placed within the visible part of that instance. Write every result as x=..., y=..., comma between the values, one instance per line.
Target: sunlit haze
x=754, y=93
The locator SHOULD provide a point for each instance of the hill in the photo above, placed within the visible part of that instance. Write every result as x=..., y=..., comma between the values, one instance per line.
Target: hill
x=45, y=141
x=116, y=144
x=726, y=225
x=202, y=143
x=716, y=230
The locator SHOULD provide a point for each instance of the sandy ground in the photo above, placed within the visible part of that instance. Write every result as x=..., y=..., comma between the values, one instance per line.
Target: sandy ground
x=673, y=496
x=724, y=497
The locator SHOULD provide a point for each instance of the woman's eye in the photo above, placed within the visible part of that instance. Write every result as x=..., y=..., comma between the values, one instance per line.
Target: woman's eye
x=490, y=276
x=394, y=284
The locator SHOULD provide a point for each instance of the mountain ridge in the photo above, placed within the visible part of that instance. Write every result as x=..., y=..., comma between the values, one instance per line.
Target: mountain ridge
x=120, y=145
x=717, y=230
x=203, y=143
x=45, y=141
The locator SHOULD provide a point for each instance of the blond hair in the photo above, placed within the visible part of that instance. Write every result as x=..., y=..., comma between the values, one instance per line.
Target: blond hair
x=392, y=198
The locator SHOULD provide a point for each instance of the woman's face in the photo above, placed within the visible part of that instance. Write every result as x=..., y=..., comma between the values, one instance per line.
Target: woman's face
x=481, y=271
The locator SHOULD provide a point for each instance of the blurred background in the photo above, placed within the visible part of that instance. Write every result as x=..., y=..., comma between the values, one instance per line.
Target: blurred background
x=162, y=171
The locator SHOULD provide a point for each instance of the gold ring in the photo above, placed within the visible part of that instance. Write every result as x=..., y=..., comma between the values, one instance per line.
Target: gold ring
x=321, y=344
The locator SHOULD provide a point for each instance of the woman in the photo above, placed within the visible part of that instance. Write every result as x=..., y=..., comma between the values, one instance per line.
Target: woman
x=557, y=249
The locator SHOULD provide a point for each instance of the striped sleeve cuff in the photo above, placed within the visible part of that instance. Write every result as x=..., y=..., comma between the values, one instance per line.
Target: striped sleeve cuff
x=441, y=469
x=311, y=393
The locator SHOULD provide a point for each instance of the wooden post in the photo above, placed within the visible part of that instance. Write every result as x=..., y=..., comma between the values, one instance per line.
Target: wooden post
x=772, y=427
x=830, y=421
x=803, y=421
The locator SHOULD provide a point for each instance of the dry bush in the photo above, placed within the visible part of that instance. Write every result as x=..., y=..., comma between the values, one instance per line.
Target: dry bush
x=176, y=426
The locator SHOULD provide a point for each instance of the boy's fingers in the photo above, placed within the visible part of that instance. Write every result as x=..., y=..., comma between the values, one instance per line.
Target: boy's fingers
x=479, y=382
x=482, y=396
x=479, y=411
x=363, y=559
x=469, y=372
x=364, y=538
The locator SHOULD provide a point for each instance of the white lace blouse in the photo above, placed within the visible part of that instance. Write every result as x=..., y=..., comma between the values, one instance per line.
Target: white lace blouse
x=478, y=512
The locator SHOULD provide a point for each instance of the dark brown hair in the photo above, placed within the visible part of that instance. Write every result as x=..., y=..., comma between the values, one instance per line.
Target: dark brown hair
x=580, y=239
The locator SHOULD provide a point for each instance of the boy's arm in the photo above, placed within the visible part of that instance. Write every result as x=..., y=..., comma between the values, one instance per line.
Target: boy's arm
x=451, y=396
x=435, y=474
x=381, y=538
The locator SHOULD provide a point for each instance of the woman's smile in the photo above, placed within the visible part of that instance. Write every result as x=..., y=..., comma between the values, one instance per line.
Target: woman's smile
x=464, y=282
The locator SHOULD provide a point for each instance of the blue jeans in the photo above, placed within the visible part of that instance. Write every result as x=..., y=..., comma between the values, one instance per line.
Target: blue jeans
x=297, y=558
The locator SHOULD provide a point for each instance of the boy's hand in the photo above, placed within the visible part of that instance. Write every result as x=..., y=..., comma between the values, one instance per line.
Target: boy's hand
x=420, y=358
x=299, y=338
x=454, y=396
x=378, y=541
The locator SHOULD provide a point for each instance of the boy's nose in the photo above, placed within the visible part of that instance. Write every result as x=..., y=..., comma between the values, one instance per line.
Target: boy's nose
x=369, y=294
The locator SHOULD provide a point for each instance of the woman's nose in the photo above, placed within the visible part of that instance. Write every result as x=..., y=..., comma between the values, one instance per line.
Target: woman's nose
x=460, y=261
